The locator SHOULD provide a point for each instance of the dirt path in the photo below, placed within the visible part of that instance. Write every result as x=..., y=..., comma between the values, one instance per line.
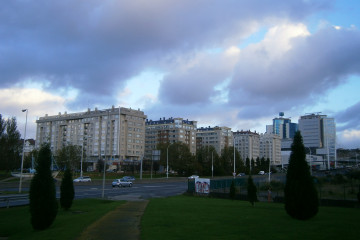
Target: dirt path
x=122, y=223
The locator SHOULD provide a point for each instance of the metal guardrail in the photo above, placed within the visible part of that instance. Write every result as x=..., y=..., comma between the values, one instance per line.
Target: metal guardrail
x=13, y=197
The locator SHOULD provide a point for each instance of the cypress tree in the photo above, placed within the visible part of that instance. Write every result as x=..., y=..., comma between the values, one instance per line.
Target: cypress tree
x=43, y=203
x=301, y=199
x=67, y=192
x=251, y=191
x=232, y=190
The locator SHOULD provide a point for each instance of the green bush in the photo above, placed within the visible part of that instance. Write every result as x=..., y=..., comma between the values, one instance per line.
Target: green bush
x=43, y=203
x=67, y=192
x=232, y=190
x=251, y=191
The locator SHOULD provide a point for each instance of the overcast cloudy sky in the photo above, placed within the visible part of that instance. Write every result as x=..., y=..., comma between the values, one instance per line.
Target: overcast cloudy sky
x=235, y=63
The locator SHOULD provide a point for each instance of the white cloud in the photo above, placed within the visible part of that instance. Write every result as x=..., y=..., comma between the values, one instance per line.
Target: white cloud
x=349, y=138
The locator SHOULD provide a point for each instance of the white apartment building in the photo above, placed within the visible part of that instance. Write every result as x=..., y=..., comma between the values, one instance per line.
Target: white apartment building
x=115, y=134
x=170, y=131
x=248, y=144
x=218, y=137
x=270, y=147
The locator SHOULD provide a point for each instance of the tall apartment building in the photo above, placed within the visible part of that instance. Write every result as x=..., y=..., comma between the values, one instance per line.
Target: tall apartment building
x=218, y=137
x=270, y=147
x=169, y=131
x=115, y=134
x=248, y=144
x=319, y=135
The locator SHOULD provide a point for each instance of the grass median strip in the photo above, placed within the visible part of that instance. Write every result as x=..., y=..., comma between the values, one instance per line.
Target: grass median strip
x=186, y=217
x=15, y=222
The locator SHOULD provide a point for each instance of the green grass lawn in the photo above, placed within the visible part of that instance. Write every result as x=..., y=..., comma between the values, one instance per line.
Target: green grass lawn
x=15, y=222
x=186, y=217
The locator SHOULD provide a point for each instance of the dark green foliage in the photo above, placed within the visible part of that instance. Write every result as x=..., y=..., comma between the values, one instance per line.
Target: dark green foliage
x=232, y=190
x=10, y=144
x=251, y=191
x=43, y=203
x=358, y=195
x=67, y=192
x=301, y=199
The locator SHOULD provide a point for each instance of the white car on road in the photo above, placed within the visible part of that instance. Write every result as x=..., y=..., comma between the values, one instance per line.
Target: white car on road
x=82, y=179
x=121, y=183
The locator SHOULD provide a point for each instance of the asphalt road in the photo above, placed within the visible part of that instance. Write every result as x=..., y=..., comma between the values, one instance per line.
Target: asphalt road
x=139, y=190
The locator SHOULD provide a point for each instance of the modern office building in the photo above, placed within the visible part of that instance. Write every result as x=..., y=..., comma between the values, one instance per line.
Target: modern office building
x=248, y=144
x=218, y=137
x=284, y=127
x=319, y=136
x=270, y=148
x=115, y=134
x=169, y=131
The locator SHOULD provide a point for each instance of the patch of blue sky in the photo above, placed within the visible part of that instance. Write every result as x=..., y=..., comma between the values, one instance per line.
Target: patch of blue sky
x=339, y=98
x=344, y=13
x=256, y=37
x=222, y=91
x=147, y=83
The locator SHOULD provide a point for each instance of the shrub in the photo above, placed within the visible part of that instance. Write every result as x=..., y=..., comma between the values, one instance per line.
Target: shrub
x=251, y=191
x=43, y=203
x=67, y=192
x=232, y=190
x=301, y=199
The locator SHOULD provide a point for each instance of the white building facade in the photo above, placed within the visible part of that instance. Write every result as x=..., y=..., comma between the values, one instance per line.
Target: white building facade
x=248, y=144
x=115, y=134
x=270, y=148
x=170, y=130
x=218, y=137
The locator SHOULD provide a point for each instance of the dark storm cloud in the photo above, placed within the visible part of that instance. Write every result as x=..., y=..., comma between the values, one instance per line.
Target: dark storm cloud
x=349, y=118
x=94, y=46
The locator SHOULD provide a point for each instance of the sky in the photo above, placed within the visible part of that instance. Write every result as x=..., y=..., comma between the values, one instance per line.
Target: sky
x=233, y=63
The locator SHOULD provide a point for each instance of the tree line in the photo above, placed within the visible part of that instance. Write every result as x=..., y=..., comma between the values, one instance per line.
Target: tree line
x=10, y=144
x=207, y=161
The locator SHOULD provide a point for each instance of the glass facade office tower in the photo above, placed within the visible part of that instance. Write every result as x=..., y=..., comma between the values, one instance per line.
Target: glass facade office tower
x=319, y=134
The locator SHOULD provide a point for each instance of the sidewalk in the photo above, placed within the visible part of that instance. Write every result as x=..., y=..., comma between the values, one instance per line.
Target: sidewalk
x=122, y=223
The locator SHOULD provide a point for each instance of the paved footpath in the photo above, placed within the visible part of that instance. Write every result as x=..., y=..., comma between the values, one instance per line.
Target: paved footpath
x=122, y=223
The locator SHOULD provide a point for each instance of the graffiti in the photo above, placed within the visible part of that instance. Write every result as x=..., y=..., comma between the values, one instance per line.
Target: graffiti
x=202, y=185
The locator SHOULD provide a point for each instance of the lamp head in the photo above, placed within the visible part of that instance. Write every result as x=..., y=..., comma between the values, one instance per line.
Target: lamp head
x=24, y=110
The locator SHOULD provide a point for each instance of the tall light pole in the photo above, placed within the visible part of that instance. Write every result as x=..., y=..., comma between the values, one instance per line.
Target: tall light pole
x=167, y=162
x=107, y=133
x=212, y=164
x=82, y=156
x=22, y=157
x=234, y=159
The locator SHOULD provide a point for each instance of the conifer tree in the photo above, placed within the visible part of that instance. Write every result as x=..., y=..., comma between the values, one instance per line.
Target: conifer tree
x=301, y=199
x=67, y=192
x=251, y=191
x=43, y=203
x=232, y=190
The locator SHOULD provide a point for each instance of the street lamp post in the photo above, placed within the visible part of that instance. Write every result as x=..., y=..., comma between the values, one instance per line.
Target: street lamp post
x=234, y=160
x=212, y=164
x=167, y=162
x=106, y=137
x=22, y=157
